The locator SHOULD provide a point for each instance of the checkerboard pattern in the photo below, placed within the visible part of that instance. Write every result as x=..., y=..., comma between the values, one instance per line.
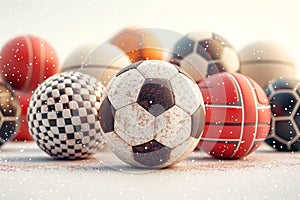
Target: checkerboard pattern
x=63, y=115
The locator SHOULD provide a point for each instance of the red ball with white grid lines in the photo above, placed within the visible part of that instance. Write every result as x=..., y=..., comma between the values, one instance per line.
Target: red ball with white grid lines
x=26, y=61
x=238, y=116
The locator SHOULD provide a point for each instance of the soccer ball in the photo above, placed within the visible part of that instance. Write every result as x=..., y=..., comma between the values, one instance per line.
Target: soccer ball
x=284, y=100
x=63, y=115
x=10, y=112
x=202, y=54
x=152, y=115
x=237, y=115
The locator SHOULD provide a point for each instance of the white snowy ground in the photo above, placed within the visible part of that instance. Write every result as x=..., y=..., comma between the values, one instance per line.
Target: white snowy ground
x=28, y=173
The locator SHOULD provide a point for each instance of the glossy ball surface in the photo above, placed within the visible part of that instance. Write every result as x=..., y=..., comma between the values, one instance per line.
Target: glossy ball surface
x=285, y=106
x=138, y=44
x=237, y=115
x=26, y=61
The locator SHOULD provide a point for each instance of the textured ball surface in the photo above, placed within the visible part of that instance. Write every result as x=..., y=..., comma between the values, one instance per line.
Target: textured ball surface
x=268, y=58
x=63, y=115
x=284, y=100
x=26, y=61
x=152, y=115
x=237, y=115
x=23, y=133
x=138, y=44
x=202, y=54
x=104, y=62
x=10, y=112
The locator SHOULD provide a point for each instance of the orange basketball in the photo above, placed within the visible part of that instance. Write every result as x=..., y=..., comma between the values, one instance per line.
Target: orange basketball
x=139, y=44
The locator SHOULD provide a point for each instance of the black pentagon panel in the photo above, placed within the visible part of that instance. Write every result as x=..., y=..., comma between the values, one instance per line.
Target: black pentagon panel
x=156, y=96
x=183, y=48
x=295, y=146
x=198, y=123
x=107, y=116
x=151, y=153
x=210, y=49
x=282, y=104
x=221, y=40
x=281, y=84
x=285, y=130
x=129, y=67
x=297, y=118
x=276, y=144
x=215, y=68
x=7, y=130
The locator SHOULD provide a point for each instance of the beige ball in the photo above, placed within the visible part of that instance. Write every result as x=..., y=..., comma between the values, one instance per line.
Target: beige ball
x=105, y=62
x=75, y=60
x=264, y=61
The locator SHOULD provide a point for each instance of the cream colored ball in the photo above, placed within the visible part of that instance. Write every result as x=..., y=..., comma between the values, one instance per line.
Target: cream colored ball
x=264, y=61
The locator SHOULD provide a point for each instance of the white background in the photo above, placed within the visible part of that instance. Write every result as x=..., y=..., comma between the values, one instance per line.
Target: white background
x=69, y=24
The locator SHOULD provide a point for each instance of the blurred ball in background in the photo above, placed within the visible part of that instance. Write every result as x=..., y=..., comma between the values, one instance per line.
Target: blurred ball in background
x=138, y=44
x=264, y=61
x=104, y=62
x=75, y=60
x=284, y=96
x=10, y=112
x=202, y=54
x=26, y=61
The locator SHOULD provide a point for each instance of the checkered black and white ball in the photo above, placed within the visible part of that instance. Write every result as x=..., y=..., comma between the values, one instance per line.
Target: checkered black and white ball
x=63, y=115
